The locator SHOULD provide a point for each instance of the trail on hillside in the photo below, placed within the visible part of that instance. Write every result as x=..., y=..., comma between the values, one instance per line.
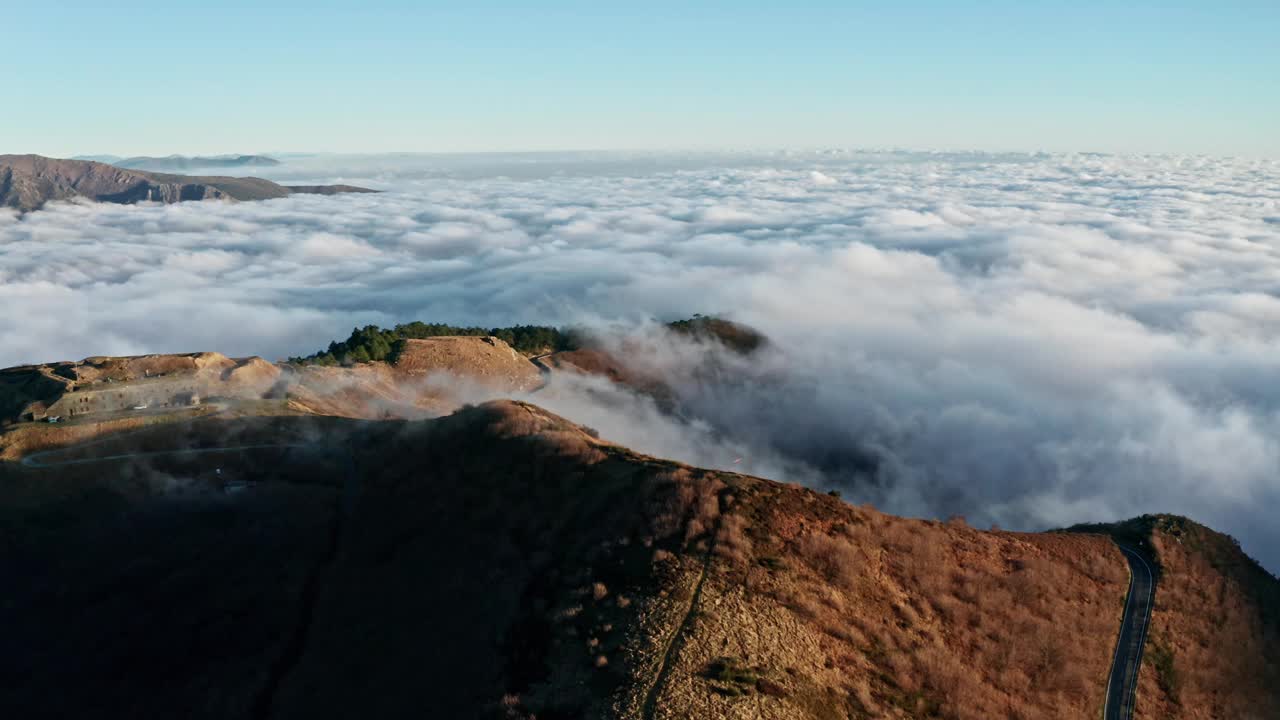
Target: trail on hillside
x=310, y=595
x=678, y=636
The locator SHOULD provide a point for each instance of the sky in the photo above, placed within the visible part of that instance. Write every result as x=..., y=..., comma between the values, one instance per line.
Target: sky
x=1032, y=340
x=382, y=76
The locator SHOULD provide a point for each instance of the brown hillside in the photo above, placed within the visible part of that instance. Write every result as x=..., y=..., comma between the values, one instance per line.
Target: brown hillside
x=594, y=361
x=1214, y=647
x=619, y=364
x=427, y=378
x=99, y=386
x=501, y=562
x=487, y=360
x=370, y=390
x=735, y=336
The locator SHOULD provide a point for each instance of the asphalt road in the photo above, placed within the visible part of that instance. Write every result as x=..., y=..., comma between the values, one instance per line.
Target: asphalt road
x=1122, y=686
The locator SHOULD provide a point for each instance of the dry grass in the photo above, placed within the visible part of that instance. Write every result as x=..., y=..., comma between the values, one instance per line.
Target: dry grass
x=1215, y=630
x=732, y=543
x=923, y=619
x=567, y=562
x=488, y=361
x=835, y=557
x=685, y=502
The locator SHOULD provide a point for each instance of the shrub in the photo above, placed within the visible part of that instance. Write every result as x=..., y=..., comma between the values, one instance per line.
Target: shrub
x=738, y=338
x=732, y=543
x=835, y=558
x=772, y=562
x=383, y=344
x=377, y=343
x=1166, y=671
x=732, y=676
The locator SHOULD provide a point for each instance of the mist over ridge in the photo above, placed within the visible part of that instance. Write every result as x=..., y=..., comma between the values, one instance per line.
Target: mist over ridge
x=1032, y=340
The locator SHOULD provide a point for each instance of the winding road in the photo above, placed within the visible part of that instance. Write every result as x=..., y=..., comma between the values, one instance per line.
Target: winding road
x=1122, y=686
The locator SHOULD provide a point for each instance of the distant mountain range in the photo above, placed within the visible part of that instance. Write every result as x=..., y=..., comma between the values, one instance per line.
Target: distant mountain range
x=28, y=182
x=182, y=162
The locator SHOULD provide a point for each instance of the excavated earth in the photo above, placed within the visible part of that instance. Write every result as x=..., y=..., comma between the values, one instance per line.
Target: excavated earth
x=428, y=378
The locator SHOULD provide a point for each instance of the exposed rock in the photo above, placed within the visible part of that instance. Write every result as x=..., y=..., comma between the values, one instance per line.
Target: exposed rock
x=27, y=182
x=428, y=378
x=104, y=386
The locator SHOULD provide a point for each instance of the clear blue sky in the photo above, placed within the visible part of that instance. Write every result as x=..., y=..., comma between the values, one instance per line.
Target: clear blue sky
x=232, y=76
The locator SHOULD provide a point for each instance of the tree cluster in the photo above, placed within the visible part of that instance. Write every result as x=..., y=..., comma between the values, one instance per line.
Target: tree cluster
x=736, y=337
x=372, y=343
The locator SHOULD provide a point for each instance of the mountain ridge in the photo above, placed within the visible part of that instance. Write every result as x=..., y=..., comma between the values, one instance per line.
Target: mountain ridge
x=521, y=567
x=29, y=182
x=304, y=556
x=186, y=162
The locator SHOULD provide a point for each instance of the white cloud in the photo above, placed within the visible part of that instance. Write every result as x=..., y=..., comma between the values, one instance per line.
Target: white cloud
x=328, y=246
x=1031, y=340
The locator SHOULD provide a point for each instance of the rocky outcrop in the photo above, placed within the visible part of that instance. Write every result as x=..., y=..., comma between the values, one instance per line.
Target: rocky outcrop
x=105, y=385
x=29, y=182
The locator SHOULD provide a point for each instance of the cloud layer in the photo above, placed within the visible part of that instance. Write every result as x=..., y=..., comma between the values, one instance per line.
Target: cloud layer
x=1028, y=340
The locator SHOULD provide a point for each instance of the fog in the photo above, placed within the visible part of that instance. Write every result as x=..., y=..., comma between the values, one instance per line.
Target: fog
x=1028, y=340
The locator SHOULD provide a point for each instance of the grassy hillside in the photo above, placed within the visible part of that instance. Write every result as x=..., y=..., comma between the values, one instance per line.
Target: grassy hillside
x=502, y=562
x=1215, y=631
x=1214, y=646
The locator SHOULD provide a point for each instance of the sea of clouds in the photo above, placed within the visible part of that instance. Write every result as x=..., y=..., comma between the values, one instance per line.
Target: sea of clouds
x=1028, y=340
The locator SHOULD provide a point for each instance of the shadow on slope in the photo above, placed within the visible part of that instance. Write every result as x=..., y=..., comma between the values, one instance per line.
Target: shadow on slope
x=502, y=562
